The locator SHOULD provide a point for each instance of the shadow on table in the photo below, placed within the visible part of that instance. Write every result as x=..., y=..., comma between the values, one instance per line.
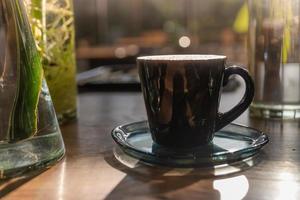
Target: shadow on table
x=8, y=185
x=143, y=180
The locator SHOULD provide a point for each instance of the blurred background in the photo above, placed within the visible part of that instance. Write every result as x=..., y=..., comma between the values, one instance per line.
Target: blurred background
x=113, y=33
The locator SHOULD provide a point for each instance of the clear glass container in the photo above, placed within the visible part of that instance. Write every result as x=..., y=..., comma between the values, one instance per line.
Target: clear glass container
x=52, y=23
x=274, y=58
x=30, y=137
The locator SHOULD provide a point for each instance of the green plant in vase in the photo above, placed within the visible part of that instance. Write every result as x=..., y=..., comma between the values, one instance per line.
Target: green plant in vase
x=25, y=71
x=52, y=23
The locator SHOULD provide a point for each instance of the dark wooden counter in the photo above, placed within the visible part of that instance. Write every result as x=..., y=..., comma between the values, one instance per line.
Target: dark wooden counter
x=90, y=170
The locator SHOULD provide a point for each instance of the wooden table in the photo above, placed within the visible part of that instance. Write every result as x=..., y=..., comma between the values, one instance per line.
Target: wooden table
x=90, y=170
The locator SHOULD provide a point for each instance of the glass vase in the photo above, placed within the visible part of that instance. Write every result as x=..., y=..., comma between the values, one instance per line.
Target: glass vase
x=30, y=137
x=274, y=58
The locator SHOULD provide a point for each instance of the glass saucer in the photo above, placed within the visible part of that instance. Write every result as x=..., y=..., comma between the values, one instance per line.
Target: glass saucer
x=231, y=144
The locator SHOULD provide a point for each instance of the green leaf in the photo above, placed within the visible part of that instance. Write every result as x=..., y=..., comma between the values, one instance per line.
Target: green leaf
x=29, y=81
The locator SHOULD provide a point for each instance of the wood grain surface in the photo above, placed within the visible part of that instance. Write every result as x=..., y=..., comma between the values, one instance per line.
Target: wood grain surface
x=91, y=171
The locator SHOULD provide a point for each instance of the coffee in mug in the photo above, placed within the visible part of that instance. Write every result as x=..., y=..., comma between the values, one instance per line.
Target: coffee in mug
x=182, y=94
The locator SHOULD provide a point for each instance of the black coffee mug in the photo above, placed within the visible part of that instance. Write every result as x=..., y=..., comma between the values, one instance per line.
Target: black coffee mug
x=182, y=94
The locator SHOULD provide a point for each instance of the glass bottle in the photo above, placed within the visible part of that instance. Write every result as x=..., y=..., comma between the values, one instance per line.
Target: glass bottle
x=30, y=137
x=52, y=23
x=274, y=57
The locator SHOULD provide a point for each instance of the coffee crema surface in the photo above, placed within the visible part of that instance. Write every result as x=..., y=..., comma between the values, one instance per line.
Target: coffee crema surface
x=182, y=57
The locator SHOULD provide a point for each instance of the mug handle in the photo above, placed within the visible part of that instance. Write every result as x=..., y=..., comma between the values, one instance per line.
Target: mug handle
x=225, y=118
